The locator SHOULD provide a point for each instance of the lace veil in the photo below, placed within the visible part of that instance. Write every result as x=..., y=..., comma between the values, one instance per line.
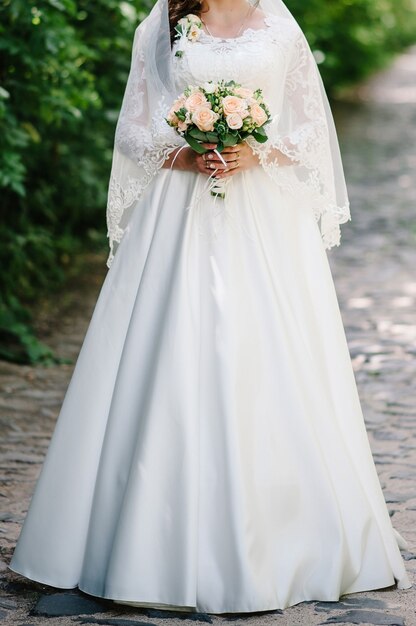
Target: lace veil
x=303, y=129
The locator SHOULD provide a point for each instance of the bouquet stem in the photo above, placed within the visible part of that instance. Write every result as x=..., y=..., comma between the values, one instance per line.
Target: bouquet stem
x=218, y=188
x=219, y=184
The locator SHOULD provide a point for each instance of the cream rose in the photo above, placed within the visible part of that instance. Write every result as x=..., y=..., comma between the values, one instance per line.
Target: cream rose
x=210, y=87
x=233, y=104
x=194, y=32
x=243, y=92
x=193, y=18
x=196, y=100
x=234, y=121
x=258, y=114
x=204, y=118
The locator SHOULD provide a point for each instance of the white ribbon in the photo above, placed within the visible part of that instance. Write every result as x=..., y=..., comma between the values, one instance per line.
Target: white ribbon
x=211, y=182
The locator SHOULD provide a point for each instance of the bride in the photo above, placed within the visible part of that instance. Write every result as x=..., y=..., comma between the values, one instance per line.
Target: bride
x=211, y=452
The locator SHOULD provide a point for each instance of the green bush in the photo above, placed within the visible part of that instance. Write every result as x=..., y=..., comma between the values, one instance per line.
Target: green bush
x=352, y=38
x=63, y=69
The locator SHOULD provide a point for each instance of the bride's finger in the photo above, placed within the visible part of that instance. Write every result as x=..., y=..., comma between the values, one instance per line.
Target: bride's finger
x=214, y=163
x=228, y=157
x=229, y=149
x=230, y=171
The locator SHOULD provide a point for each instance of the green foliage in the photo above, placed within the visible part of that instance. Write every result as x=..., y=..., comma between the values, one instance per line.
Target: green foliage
x=352, y=38
x=63, y=68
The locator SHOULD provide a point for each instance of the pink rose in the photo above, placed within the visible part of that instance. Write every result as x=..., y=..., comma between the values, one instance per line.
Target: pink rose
x=234, y=121
x=233, y=104
x=258, y=114
x=195, y=101
x=204, y=118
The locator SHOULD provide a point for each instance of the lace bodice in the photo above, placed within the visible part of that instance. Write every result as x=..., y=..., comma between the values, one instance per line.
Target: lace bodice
x=255, y=59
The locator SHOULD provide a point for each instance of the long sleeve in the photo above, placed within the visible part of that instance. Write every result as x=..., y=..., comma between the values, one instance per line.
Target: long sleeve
x=143, y=140
x=301, y=131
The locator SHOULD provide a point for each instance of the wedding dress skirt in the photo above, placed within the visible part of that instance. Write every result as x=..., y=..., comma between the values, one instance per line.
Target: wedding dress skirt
x=211, y=451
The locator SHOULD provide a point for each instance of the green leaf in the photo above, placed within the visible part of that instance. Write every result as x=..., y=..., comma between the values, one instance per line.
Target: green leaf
x=212, y=137
x=195, y=145
x=259, y=137
x=230, y=140
x=197, y=134
x=260, y=131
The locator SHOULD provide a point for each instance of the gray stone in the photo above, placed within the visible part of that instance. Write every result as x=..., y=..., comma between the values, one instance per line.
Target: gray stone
x=113, y=621
x=366, y=617
x=5, y=603
x=162, y=614
x=9, y=517
x=238, y=617
x=410, y=475
x=388, y=435
x=398, y=497
x=343, y=603
x=60, y=604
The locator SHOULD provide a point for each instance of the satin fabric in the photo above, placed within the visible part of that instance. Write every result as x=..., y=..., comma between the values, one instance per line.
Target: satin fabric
x=211, y=450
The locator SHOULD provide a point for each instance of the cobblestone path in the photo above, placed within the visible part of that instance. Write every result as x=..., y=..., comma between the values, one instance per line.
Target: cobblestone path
x=374, y=272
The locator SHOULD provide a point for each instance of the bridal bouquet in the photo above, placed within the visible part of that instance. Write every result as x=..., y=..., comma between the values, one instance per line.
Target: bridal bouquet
x=224, y=113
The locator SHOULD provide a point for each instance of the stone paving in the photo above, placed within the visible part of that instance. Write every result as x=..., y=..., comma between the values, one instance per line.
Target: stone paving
x=374, y=272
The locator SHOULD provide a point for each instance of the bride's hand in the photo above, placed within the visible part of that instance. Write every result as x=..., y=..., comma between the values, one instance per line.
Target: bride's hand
x=238, y=158
x=191, y=161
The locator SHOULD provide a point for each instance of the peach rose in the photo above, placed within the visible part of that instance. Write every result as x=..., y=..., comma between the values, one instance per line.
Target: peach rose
x=204, y=118
x=233, y=104
x=243, y=92
x=258, y=114
x=171, y=117
x=196, y=100
x=234, y=121
x=183, y=126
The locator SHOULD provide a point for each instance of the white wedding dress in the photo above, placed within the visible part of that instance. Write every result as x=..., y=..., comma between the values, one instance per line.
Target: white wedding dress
x=211, y=451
